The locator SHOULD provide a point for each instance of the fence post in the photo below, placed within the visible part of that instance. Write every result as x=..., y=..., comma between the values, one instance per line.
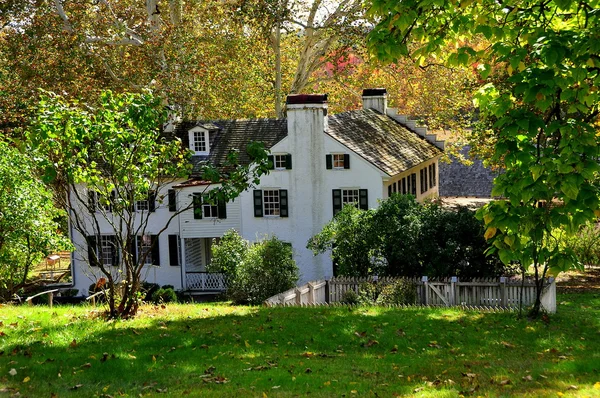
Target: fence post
x=50, y=299
x=426, y=287
x=311, y=293
x=453, y=294
x=503, y=299
x=298, y=296
x=548, y=299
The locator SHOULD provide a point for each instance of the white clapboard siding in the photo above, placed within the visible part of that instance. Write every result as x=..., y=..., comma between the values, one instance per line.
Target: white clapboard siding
x=208, y=227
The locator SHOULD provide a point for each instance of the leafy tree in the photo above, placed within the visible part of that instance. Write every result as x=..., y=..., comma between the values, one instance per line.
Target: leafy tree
x=539, y=98
x=28, y=230
x=255, y=271
x=351, y=241
x=111, y=155
x=405, y=238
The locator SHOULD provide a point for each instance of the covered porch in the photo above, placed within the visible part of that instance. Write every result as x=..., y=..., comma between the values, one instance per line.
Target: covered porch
x=197, y=256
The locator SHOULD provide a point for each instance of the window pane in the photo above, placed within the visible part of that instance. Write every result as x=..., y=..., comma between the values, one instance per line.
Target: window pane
x=338, y=161
x=106, y=250
x=349, y=196
x=280, y=161
x=271, y=202
x=199, y=141
x=144, y=249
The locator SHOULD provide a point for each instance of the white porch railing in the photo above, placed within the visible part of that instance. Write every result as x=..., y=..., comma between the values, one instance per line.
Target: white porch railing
x=205, y=281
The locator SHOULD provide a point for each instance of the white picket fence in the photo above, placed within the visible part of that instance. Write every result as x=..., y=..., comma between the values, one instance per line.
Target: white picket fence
x=500, y=292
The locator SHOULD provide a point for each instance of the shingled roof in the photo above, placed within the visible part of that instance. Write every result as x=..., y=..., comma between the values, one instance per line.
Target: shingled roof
x=225, y=135
x=381, y=140
x=377, y=138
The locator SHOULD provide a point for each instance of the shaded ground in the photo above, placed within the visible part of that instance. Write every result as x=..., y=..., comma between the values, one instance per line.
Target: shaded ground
x=579, y=281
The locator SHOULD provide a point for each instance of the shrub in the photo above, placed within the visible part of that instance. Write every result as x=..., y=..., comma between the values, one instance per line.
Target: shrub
x=350, y=297
x=586, y=244
x=368, y=293
x=148, y=289
x=163, y=296
x=254, y=272
x=400, y=292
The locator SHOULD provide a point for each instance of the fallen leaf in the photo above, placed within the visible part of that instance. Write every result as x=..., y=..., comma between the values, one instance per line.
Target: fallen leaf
x=246, y=344
x=361, y=334
x=597, y=385
x=528, y=378
x=504, y=382
x=104, y=357
x=470, y=375
x=418, y=389
x=26, y=379
x=86, y=366
x=400, y=332
x=308, y=370
x=73, y=343
x=12, y=372
x=572, y=387
x=507, y=345
x=372, y=343
x=76, y=386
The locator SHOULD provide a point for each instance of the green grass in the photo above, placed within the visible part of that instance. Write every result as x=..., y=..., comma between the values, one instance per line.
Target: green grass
x=221, y=350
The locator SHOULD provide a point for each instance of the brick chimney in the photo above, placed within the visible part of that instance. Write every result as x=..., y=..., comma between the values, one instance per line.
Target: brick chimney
x=375, y=98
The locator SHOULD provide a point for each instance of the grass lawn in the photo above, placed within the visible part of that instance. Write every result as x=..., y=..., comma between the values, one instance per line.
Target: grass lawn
x=222, y=350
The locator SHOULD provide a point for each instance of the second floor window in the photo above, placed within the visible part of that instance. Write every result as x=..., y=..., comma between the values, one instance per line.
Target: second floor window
x=199, y=141
x=271, y=202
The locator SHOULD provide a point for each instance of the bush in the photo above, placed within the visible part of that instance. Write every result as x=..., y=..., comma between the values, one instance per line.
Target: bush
x=404, y=238
x=586, y=244
x=350, y=297
x=163, y=296
x=148, y=289
x=400, y=292
x=254, y=272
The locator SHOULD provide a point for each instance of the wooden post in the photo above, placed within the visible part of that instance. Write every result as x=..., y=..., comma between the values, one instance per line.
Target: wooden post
x=311, y=293
x=327, y=292
x=503, y=298
x=426, y=287
x=548, y=299
x=298, y=296
x=453, y=294
x=50, y=299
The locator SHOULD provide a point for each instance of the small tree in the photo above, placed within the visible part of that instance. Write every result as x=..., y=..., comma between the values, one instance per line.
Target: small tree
x=352, y=245
x=103, y=159
x=28, y=230
x=256, y=271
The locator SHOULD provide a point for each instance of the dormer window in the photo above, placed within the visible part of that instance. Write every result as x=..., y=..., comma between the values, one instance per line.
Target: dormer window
x=199, y=143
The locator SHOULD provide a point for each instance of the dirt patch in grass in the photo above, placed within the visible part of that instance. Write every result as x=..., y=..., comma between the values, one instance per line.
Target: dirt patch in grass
x=579, y=281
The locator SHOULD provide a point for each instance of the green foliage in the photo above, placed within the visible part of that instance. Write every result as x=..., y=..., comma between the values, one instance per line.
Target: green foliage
x=28, y=230
x=400, y=292
x=254, y=272
x=585, y=244
x=404, y=238
x=349, y=238
x=164, y=295
x=228, y=254
x=539, y=99
x=116, y=150
x=349, y=297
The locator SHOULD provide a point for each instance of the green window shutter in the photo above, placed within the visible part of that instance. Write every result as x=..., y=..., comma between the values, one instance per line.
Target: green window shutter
x=92, y=243
x=346, y=161
x=138, y=245
x=271, y=160
x=433, y=174
x=197, y=203
x=363, y=199
x=288, y=161
x=337, y=200
x=151, y=201
x=258, y=204
x=413, y=184
x=222, y=209
x=155, y=250
x=404, y=186
x=389, y=191
x=174, y=250
x=172, y=200
x=283, y=203
x=328, y=162
x=421, y=180
x=91, y=201
x=425, y=179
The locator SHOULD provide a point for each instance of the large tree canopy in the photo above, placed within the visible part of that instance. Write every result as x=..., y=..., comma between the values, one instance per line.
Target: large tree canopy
x=538, y=101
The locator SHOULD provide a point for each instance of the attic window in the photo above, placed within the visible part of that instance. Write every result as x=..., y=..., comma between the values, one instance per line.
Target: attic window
x=199, y=143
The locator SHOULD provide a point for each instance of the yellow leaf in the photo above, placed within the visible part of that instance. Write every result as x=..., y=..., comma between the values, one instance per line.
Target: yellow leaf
x=26, y=380
x=487, y=217
x=560, y=394
x=489, y=233
x=407, y=378
x=105, y=389
x=509, y=70
x=153, y=358
x=597, y=213
x=597, y=385
x=590, y=63
x=521, y=66
x=353, y=392
x=247, y=344
x=327, y=383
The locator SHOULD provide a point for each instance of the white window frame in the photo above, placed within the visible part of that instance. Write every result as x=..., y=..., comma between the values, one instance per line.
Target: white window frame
x=145, y=243
x=142, y=205
x=210, y=210
x=339, y=159
x=280, y=161
x=348, y=193
x=271, y=203
x=105, y=250
x=192, y=136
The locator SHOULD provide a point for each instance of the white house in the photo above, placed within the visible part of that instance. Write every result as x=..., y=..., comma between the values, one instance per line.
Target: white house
x=320, y=162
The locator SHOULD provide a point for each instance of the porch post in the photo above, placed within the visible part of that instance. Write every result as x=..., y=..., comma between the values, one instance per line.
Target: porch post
x=183, y=264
